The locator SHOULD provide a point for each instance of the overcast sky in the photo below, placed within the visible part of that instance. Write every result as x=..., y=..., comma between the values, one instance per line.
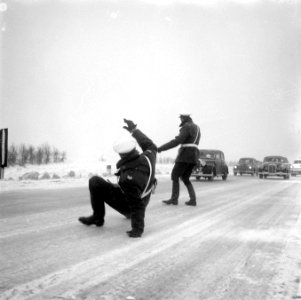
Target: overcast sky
x=72, y=70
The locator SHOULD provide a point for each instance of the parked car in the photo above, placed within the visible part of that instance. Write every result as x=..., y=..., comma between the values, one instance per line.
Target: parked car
x=246, y=165
x=296, y=167
x=275, y=166
x=211, y=164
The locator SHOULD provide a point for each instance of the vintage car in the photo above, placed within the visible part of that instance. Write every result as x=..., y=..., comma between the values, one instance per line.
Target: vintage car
x=296, y=167
x=246, y=165
x=275, y=166
x=211, y=164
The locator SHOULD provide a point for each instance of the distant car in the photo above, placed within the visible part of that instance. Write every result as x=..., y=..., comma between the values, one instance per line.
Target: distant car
x=296, y=167
x=211, y=164
x=275, y=166
x=246, y=165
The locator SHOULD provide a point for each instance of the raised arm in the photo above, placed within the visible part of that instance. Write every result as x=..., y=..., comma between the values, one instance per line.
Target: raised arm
x=143, y=141
x=179, y=139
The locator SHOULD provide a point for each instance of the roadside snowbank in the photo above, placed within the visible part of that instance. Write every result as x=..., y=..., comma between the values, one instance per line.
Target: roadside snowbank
x=62, y=175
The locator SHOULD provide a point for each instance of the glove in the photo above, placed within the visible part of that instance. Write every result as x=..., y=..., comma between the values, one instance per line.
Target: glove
x=130, y=125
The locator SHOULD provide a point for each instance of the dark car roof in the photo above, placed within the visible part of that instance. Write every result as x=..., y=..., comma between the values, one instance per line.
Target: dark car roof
x=278, y=156
x=247, y=158
x=210, y=150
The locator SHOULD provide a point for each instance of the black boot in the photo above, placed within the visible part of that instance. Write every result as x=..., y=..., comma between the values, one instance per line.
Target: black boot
x=170, y=201
x=91, y=220
x=134, y=234
x=98, y=207
x=174, y=194
x=190, y=203
x=191, y=192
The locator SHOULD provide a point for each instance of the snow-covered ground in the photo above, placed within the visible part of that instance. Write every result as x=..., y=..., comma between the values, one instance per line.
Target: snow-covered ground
x=69, y=174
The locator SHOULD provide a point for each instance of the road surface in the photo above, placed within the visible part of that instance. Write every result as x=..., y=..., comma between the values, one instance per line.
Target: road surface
x=242, y=241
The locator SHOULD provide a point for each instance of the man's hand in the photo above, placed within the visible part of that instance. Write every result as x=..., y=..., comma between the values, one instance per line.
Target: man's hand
x=130, y=125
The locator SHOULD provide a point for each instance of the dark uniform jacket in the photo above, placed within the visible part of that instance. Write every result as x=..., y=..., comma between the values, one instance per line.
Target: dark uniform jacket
x=136, y=177
x=189, y=134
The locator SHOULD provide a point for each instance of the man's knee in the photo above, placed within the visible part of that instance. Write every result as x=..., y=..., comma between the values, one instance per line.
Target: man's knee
x=186, y=180
x=175, y=177
x=96, y=182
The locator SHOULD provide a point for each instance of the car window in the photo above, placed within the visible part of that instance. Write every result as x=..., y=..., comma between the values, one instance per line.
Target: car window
x=271, y=159
x=244, y=161
x=297, y=162
x=276, y=159
x=206, y=154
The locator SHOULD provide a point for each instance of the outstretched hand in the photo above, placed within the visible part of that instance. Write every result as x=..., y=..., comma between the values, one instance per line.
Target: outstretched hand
x=130, y=125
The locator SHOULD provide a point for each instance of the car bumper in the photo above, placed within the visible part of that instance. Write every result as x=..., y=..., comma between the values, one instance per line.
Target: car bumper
x=297, y=172
x=245, y=172
x=273, y=174
x=201, y=175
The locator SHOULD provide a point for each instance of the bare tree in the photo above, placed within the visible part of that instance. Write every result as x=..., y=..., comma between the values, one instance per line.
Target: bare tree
x=12, y=155
x=55, y=154
x=63, y=156
x=46, y=152
x=39, y=155
x=31, y=154
x=23, y=154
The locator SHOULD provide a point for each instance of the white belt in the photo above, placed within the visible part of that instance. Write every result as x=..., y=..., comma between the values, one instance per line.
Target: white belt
x=147, y=192
x=189, y=145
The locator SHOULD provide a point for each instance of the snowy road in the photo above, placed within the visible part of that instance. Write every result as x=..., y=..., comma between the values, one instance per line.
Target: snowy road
x=242, y=241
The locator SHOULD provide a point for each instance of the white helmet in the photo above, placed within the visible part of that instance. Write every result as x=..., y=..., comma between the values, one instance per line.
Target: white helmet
x=124, y=145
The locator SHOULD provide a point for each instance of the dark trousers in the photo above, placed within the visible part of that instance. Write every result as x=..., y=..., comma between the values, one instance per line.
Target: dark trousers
x=102, y=192
x=182, y=170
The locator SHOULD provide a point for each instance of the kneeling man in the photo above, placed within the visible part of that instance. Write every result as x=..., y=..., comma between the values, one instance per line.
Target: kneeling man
x=136, y=177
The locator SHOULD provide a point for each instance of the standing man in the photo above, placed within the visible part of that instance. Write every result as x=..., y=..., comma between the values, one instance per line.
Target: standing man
x=188, y=138
x=136, y=177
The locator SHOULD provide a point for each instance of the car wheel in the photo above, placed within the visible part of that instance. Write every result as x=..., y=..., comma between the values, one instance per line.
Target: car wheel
x=197, y=177
x=225, y=176
x=265, y=176
x=260, y=176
